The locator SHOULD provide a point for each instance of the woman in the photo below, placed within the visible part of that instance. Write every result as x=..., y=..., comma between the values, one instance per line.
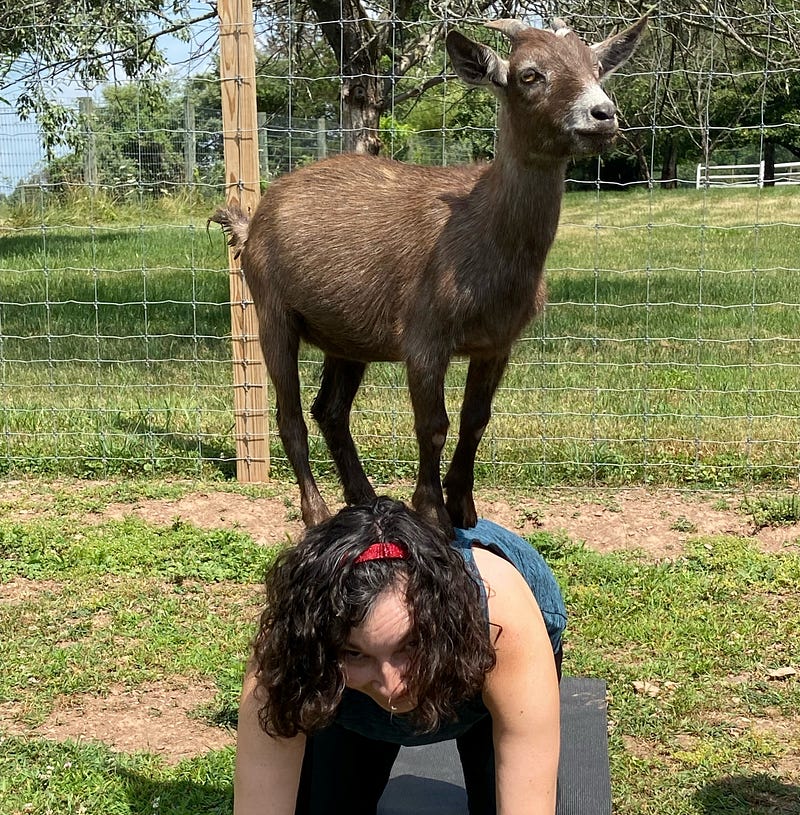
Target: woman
x=379, y=632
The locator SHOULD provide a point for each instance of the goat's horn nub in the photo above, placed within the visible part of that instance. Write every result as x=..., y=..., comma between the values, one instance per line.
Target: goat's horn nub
x=559, y=27
x=507, y=26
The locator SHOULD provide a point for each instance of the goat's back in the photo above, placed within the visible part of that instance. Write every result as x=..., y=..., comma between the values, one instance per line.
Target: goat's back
x=369, y=253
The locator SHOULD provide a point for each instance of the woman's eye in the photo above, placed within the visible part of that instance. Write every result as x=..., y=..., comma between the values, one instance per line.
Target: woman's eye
x=352, y=655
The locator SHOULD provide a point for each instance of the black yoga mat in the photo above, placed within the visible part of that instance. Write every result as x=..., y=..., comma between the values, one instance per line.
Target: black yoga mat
x=429, y=779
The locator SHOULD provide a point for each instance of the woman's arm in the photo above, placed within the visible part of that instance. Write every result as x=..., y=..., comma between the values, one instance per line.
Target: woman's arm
x=521, y=694
x=267, y=768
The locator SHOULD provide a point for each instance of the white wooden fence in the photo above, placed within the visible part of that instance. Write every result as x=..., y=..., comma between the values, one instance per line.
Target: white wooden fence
x=745, y=175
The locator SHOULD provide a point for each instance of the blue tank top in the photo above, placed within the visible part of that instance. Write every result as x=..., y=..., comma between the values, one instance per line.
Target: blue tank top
x=361, y=714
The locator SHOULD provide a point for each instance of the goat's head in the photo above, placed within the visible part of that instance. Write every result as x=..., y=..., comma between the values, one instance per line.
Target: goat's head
x=549, y=87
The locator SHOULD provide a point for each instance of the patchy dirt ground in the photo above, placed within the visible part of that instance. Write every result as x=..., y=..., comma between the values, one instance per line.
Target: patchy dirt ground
x=655, y=522
x=156, y=717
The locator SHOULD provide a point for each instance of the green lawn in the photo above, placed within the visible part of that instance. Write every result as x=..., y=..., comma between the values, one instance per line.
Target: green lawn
x=668, y=352
x=119, y=603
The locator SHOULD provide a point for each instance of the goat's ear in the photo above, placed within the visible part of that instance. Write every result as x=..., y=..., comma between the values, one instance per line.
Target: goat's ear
x=475, y=63
x=615, y=51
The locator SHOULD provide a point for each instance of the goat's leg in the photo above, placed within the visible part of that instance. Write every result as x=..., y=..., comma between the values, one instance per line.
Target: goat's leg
x=483, y=377
x=426, y=386
x=331, y=409
x=280, y=355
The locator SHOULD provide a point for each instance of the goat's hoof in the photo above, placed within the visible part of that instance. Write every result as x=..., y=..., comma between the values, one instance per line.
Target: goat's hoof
x=462, y=512
x=364, y=494
x=446, y=526
x=439, y=517
x=435, y=514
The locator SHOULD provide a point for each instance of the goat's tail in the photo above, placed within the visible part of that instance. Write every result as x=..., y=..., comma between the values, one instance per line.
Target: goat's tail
x=235, y=224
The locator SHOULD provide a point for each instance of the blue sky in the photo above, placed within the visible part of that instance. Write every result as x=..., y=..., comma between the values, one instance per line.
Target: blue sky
x=21, y=153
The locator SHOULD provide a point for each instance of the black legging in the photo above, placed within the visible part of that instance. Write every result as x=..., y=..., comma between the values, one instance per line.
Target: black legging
x=345, y=773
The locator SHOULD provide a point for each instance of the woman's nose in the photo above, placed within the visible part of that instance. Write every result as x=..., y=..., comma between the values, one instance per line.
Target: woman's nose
x=390, y=679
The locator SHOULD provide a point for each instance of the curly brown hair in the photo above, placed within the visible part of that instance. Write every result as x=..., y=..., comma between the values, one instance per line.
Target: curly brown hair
x=315, y=594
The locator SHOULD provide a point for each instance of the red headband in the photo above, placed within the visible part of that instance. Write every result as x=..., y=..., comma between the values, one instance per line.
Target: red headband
x=383, y=551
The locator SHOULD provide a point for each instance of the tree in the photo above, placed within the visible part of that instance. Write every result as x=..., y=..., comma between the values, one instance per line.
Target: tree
x=706, y=79
x=701, y=74
x=48, y=43
x=137, y=140
x=378, y=44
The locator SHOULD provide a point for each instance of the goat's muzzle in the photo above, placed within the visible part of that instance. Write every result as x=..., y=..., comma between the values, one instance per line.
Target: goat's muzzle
x=594, y=123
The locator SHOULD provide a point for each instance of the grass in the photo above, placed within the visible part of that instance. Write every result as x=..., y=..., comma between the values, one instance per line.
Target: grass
x=121, y=603
x=41, y=777
x=668, y=352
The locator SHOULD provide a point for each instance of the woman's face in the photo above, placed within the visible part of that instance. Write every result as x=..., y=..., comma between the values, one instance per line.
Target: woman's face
x=377, y=654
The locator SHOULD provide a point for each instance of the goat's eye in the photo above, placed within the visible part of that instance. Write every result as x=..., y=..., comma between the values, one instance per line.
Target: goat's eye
x=530, y=76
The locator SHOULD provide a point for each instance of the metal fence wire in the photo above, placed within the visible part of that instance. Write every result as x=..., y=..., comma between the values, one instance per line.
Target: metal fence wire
x=668, y=351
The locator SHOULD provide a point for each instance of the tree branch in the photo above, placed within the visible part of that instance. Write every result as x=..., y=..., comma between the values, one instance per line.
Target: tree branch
x=414, y=93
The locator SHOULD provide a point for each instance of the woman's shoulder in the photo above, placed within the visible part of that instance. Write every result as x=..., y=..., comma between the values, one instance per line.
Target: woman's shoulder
x=515, y=575
x=492, y=567
x=506, y=589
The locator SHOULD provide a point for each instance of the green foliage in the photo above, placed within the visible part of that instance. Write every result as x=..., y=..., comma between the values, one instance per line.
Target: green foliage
x=137, y=139
x=690, y=78
x=129, y=134
x=449, y=124
x=774, y=510
x=81, y=42
x=130, y=547
x=312, y=90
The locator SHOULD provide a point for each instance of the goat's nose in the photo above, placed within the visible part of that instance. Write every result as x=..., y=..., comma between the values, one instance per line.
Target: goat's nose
x=603, y=112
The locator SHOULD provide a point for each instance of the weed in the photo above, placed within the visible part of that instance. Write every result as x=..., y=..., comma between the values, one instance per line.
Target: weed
x=683, y=524
x=772, y=510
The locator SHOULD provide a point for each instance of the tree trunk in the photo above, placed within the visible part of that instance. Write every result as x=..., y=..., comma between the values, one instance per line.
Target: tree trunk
x=669, y=169
x=362, y=106
x=769, y=163
x=356, y=42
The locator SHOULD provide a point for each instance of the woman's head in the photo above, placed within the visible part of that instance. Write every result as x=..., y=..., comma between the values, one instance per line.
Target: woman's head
x=379, y=652
x=323, y=597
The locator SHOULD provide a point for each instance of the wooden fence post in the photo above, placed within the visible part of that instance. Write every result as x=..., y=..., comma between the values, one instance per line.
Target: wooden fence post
x=189, y=141
x=86, y=108
x=240, y=139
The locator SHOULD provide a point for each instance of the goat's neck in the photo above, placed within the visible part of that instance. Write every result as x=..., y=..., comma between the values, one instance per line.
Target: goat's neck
x=525, y=200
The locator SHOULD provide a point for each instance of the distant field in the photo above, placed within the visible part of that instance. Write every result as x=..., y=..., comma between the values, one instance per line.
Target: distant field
x=669, y=351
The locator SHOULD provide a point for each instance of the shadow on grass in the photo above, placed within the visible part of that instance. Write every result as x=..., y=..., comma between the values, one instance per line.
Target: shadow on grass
x=177, y=796
x=217, y=456
x=45, y=775
x=749, y=795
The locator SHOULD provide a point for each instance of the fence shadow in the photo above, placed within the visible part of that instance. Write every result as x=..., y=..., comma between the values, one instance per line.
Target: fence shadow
x=759, y=794
x=220, y=458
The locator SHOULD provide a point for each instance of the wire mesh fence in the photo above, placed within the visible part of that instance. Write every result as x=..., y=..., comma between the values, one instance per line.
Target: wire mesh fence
x=668, y=350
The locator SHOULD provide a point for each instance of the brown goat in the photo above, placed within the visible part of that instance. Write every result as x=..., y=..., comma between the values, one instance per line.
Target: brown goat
x=370, y=259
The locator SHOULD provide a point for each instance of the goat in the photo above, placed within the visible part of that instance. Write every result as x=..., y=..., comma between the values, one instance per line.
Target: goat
x=370, y=259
